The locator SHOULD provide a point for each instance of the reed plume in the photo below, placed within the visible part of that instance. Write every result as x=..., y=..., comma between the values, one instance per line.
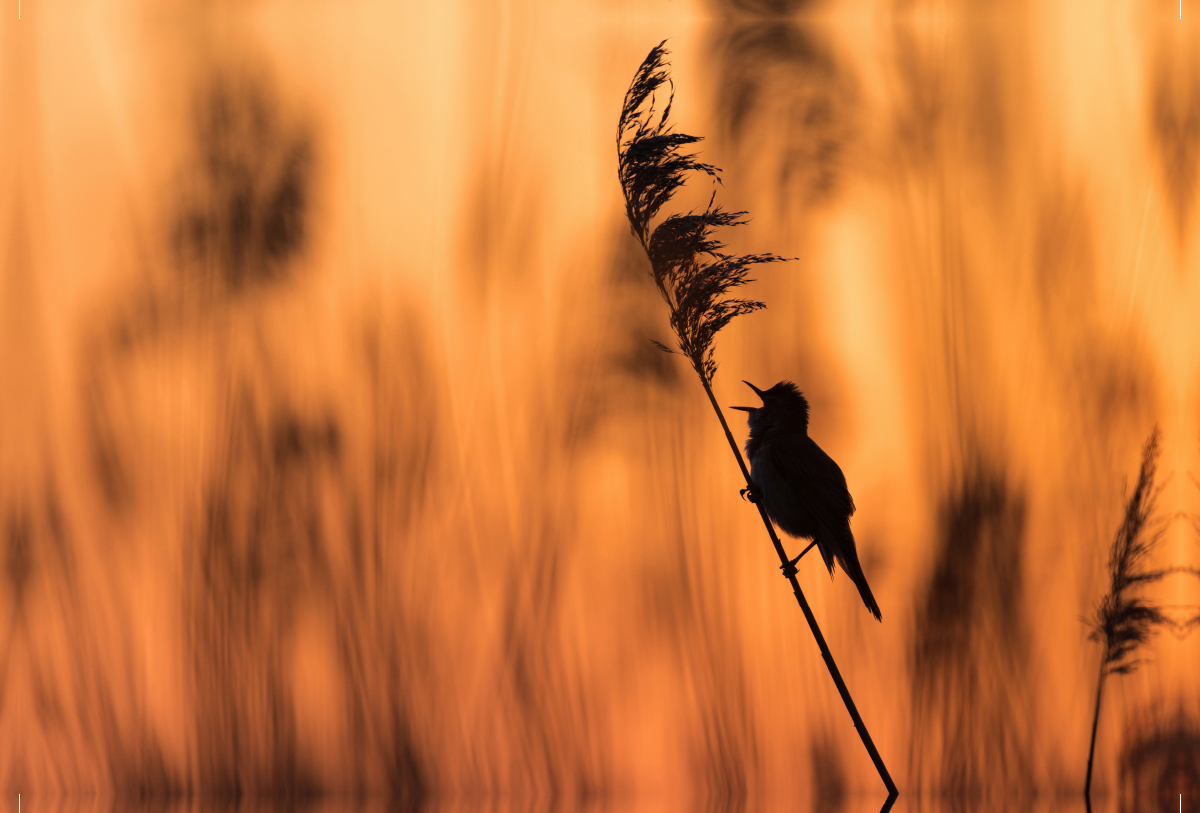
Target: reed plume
x=694, y=275
x=1123, y=621
x=690, y=267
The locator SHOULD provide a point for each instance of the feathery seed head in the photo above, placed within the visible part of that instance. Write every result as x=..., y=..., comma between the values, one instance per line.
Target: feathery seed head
x=1123, y=622
x=690, y=268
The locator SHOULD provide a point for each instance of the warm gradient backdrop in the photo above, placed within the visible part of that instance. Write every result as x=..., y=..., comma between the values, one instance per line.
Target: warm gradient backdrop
x=335, y=455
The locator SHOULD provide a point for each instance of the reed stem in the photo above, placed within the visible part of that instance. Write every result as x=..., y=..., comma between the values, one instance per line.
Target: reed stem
x=693, y=274
x=830, y=664
x=1087, y=785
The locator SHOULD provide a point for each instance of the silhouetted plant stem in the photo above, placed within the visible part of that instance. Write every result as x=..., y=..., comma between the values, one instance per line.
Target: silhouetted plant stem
x=1123, y=621
x=830, y=664
x=1087, y=785
x=693, y=275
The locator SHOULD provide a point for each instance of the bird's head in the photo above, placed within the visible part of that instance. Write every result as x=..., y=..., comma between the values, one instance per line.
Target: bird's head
x=783, y=405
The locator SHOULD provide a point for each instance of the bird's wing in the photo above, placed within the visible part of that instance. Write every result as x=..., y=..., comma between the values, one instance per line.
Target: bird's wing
x=819, y=482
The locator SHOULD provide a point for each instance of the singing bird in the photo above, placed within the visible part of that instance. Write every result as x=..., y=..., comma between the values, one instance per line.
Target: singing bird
x=802, y=489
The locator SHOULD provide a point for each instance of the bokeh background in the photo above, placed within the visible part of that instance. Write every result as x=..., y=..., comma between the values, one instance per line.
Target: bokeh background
x=335, y=455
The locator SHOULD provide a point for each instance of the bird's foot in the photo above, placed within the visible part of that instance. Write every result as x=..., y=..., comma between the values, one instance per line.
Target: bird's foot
x=747, y=494
x=789, y=569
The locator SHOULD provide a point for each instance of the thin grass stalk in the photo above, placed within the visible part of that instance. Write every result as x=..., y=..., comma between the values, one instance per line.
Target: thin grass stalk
x=693, y=276
x=830, y=664
x=1087, y=785
x=1123, y=621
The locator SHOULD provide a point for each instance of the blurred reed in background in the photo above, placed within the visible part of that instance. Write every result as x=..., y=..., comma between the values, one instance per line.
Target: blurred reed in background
x=335, y=457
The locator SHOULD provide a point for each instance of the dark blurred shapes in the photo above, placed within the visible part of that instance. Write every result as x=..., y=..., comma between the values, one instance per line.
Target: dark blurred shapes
x=333, y=803
x=829, y=791
x=104, y=445
x=246, y=216
x=638, y=312
x=79, y=716
x=295, y=442
x=778, y=74
x=60, y=551
x=954, y=108
x=977, y=571
x=405, y=423
x=35, y=540
x=761, y=8
x=1101, y=368
x=260, y=553
x=18, y=560
x=1160, y=762
x=923, y=107
x=302, y=511
x=384, y=652
x=1175, y=128
x=971, y=640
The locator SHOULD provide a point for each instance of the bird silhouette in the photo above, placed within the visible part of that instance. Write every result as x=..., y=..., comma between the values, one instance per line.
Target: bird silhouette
x=802, y=489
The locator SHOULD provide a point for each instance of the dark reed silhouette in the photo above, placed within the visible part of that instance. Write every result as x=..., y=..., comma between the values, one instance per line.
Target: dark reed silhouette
x=802, y=488
x=1160, y=758
x=694, y=275
x=651, y=168
x=1123, y=621
x=969, y=659
x=247, y=214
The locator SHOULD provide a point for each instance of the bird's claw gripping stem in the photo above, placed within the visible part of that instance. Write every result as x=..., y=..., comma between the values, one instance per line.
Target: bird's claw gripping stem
x=747, y=494
x=789, y=569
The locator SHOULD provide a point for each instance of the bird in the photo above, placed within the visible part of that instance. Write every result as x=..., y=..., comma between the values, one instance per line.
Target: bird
x=801, y=488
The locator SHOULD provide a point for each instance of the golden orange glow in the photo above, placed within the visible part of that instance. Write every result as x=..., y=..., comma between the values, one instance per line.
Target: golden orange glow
x=335, y=455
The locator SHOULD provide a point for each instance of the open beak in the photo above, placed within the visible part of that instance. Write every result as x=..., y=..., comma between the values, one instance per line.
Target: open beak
x=757, y=391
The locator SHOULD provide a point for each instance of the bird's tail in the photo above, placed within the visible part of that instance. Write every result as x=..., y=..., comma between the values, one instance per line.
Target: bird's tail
x=848, y=558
